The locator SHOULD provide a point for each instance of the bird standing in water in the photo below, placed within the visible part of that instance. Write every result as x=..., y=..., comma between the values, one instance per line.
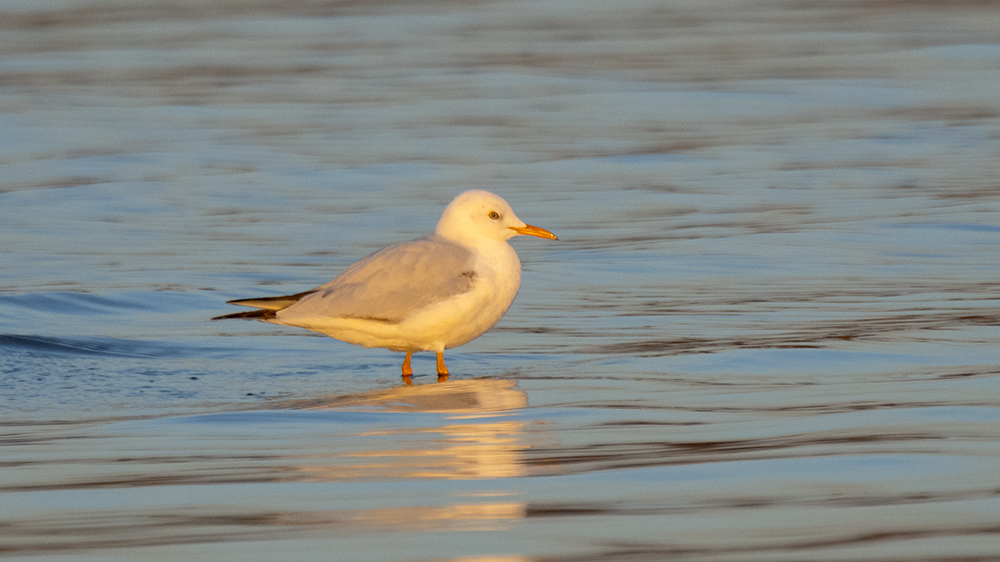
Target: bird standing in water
x=429, y=294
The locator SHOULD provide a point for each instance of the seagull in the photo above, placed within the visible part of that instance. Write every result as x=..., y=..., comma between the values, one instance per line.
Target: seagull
x=429, y=294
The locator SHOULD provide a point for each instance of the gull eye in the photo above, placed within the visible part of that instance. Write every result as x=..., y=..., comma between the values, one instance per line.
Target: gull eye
x=494, y=215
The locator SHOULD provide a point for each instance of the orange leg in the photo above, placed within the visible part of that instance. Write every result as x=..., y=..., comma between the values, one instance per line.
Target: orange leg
x=442, y=370
x=407, y=370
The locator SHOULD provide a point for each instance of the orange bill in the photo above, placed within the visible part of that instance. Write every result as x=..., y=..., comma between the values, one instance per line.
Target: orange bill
x=533, y=231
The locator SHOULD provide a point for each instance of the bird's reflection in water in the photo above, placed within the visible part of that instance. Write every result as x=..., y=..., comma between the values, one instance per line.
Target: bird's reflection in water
x=478, y=439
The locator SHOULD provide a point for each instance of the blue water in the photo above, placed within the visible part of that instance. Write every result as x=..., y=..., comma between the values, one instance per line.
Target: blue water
x=769, y=330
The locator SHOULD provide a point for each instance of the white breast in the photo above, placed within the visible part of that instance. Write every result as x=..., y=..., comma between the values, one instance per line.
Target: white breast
x=465, y=317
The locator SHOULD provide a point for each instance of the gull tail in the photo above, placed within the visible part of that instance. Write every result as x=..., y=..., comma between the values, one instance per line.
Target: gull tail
x=269, y=306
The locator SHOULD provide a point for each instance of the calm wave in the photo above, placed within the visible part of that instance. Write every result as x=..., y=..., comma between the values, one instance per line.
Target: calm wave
x=768, y=331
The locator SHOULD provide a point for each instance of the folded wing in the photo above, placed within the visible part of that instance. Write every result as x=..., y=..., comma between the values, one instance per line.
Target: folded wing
x=386, y=286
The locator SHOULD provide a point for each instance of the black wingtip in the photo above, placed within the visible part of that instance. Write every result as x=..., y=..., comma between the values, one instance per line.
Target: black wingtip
x=251, y=314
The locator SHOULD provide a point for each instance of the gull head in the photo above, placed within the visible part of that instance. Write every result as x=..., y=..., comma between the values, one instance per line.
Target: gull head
x=479, y=215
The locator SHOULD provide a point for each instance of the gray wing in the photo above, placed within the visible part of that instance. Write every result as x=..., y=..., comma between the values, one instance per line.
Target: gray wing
x=391, y=284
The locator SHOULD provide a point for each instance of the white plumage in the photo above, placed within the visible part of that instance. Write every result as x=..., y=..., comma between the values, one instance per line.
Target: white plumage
x=428, y=294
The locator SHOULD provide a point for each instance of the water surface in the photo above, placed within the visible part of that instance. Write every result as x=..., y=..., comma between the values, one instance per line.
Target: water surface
x=768, y=332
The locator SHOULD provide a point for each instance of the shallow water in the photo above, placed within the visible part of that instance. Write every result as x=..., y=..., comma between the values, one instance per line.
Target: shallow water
x=768, y=332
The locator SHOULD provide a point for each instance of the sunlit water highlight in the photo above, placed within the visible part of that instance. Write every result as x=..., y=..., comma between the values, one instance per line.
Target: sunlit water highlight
x=769, y=330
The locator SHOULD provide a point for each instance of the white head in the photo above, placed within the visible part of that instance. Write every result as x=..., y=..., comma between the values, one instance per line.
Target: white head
x=476, y=215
